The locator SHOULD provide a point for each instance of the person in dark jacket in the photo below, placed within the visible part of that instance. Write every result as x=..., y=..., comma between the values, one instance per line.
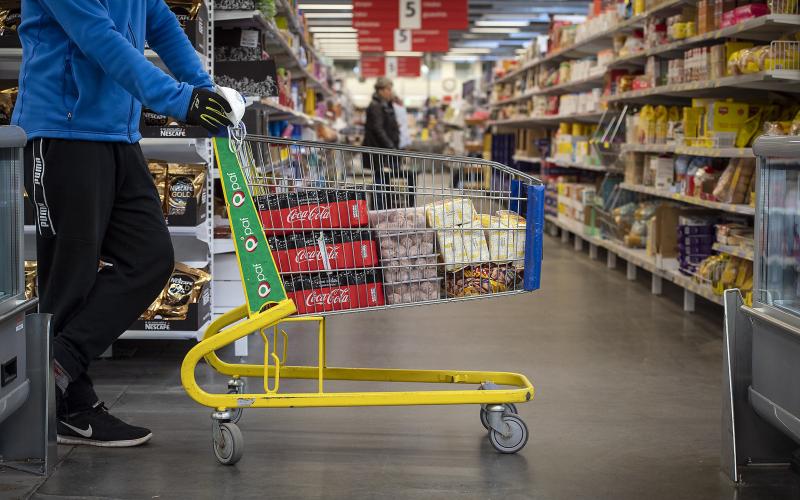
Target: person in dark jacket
x=382, y=131
x=104, y=250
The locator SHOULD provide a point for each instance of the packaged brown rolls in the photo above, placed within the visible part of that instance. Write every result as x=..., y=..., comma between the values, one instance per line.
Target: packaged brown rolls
x=184, y=182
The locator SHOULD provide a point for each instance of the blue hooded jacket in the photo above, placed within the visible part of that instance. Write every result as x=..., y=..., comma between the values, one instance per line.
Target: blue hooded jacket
x=84, y=75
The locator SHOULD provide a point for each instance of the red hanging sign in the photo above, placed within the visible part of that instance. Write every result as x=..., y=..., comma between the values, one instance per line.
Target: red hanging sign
x=373, y=66
x=401, y=40
x=409, y=66
x=410, y=14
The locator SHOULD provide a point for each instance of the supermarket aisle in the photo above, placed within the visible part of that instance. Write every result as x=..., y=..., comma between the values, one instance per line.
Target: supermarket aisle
x=627, y=406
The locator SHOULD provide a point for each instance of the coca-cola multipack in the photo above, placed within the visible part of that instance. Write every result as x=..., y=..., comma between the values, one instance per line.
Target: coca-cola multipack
x=323, y=250
x=308, y=210
x=335, y=291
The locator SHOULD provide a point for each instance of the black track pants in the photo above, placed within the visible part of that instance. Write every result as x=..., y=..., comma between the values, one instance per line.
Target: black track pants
x=94, y=201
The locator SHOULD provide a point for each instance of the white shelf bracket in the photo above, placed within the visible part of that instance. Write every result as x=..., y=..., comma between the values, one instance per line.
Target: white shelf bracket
x=592, y=251
x=578, y=243
x=611, y=260
x=656, y=284
x=688, y=301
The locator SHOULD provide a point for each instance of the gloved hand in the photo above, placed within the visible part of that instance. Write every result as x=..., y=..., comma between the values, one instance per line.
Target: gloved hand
x=209, y=110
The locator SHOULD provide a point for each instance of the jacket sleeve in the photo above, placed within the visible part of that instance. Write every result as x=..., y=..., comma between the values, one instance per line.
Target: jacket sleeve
x=89, y=26
x=375, y=118
x=165, y=36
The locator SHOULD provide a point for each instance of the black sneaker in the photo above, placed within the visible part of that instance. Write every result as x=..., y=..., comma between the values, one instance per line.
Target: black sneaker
x=97, y=427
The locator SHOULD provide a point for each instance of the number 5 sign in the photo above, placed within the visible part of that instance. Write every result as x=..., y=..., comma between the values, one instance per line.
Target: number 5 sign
x=402, y=40
x=410, y=14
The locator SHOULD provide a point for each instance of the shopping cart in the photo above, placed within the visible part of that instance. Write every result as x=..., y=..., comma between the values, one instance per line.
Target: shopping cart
x=307, y=242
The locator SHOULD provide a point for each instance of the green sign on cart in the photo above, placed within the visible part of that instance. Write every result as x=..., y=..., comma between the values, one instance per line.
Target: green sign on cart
x=262, y=283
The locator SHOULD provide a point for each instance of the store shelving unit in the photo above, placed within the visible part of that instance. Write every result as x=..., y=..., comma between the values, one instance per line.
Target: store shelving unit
x=561, y=162
x=691, y=200
x=635, y=258
x=527, y=159
x=760, y=85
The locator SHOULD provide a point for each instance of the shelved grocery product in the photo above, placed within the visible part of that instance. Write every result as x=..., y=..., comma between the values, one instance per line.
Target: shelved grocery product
x=686, y=86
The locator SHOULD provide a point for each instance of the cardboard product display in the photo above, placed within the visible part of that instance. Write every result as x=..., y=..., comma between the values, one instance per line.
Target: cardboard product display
x=335, y=291
x=326, y=250
x=308, y=210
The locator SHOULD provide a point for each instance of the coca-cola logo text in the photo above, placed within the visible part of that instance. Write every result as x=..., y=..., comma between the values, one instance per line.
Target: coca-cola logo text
x=308, y=213
x=337, y=296
x=313, y=254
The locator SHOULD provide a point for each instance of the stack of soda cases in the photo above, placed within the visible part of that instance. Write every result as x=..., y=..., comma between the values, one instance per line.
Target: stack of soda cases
x=322, y=248
x=696, y=237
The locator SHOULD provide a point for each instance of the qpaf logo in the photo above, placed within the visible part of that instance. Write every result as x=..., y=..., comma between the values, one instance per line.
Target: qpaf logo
x=238, y=196
x=251, y=243
x=237, y=199
x=263, y=289
x=249, y=237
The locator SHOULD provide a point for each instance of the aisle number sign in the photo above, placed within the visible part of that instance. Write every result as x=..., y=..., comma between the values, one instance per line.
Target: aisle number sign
x=410, y=14
x=400, y=39
x=373, y=66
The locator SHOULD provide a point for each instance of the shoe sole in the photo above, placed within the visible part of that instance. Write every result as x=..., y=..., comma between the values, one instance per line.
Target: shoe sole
x=125, y=443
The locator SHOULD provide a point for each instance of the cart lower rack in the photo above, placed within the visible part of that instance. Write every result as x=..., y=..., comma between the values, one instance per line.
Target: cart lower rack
x=322, y=229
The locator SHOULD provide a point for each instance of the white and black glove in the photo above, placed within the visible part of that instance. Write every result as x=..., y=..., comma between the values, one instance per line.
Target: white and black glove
x=209, y=110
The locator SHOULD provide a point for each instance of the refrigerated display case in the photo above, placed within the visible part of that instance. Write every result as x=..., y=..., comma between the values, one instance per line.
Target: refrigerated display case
x=761, y=398
x=13, y=381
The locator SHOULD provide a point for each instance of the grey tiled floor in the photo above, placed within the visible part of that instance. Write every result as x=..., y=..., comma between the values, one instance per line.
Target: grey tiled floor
x=627, y=407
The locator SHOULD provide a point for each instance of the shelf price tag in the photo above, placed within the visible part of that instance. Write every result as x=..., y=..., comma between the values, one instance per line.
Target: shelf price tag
x=410, y=14
x=249, y=39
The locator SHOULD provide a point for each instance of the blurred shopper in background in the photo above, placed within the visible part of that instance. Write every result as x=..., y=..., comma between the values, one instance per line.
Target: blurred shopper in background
x=402, y=121
x=381, y=131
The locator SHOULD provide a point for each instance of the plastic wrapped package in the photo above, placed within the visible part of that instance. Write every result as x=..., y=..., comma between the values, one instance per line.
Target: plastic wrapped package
x=505, y=234
x=413, y=291
x=482, y=279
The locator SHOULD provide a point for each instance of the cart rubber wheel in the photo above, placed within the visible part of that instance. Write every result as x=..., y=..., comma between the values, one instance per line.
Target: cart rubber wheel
x=510, y=408
x=517, y=438
x=230, y=447
x=236, y=413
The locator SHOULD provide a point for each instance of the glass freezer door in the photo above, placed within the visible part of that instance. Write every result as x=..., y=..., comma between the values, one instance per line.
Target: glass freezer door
x=11, y=265
x=778, y=214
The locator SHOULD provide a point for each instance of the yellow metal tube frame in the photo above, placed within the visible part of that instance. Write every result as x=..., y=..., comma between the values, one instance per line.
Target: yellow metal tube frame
x=235, y=324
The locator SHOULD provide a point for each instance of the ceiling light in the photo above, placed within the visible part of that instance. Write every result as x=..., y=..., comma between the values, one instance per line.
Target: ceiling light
x=501, y=23
x=328, y=15
x=323, y=6
x=495, y=30
x=331, y=29
x=460, y=58
x=469, y=50
x=404, y=54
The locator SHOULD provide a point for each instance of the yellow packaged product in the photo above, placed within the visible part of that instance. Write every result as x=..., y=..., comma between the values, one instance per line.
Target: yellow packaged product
x=462, y=245
x=449, y=213
x=505, y=233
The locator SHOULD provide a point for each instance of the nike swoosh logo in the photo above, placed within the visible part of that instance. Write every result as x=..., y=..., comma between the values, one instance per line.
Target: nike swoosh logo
x=85, y=433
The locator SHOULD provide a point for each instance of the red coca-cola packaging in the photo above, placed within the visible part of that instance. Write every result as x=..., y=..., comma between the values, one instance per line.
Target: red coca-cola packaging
x=325, y=250
x=335, y=291
x=306, y=210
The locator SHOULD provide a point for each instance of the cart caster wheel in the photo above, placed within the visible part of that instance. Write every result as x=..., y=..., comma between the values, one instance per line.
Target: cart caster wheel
x=229, y=444
x=517, y=436
x=236, y=386
x=510, y=408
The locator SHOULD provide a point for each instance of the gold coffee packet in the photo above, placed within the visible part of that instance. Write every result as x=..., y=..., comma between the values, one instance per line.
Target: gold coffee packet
x=9, y=15
x=30, y=279
x=8, y=98
x=184, y=182
x=153, y=119
x=183, y=288
x=184, y=10
x=159, y=172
